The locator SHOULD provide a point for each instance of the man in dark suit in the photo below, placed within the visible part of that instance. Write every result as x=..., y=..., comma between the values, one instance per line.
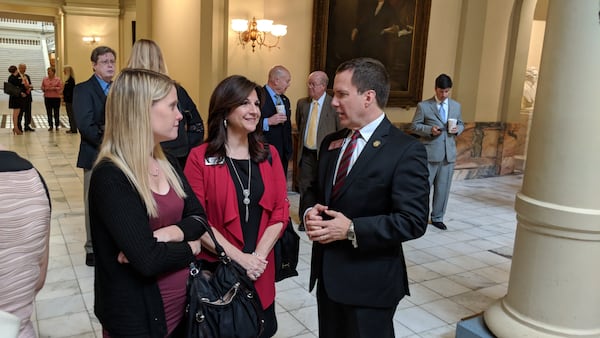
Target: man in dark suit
x=432, y=122
x=89, y=99
x=276, y=113
x=25, y=112
x=315, y=118
x=371, y=194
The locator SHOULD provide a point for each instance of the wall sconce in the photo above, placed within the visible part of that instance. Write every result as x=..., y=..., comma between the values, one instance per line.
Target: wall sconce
x=91, y=39
x=256, y=31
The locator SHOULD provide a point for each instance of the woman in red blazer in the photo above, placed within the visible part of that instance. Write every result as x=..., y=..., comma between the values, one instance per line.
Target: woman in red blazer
x=241, y=184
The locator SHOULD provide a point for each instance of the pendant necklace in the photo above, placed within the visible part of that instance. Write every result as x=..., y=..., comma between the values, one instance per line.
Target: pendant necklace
x=245, y=192
x=154, y=171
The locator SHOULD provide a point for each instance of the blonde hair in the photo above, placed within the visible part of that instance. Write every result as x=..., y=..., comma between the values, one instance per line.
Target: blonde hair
x=131, y=96
x=69, y=71
x=146, y=54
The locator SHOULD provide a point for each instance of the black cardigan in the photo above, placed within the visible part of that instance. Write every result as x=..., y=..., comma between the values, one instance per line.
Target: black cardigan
x=127, y=297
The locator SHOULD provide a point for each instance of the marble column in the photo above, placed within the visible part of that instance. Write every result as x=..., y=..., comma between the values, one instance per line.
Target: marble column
x=554, y=286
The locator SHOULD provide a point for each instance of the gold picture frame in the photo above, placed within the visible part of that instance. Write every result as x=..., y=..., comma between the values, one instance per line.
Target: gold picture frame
x=395, y=33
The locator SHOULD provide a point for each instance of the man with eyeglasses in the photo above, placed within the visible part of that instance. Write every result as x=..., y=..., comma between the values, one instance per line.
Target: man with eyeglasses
x=89, y=99
x=315, y=118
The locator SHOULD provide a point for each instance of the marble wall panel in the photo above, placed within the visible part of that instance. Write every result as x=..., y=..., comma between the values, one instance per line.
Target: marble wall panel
x=487, y=149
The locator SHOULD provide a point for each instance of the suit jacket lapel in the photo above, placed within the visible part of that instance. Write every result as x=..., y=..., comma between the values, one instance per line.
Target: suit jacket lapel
x=331, y=157
x=97, y=87
x=434, y=108
x=375, y=144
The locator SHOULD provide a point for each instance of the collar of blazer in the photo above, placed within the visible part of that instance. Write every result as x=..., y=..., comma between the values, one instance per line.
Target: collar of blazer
x=436, y=111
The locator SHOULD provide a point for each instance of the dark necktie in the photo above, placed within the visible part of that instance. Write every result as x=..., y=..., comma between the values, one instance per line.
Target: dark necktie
x=342, y=172
x=278, y=100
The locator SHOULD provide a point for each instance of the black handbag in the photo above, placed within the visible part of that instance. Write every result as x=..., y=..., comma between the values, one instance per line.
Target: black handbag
x=11, y=89
x=286, y=248
x=221, y=300
x=286, y=253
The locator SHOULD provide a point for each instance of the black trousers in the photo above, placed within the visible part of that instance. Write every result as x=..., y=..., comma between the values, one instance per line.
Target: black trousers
x=341, y=320
x=25, y=112
x=53, y=110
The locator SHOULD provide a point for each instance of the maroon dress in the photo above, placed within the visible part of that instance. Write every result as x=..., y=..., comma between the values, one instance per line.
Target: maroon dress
x=172, y=285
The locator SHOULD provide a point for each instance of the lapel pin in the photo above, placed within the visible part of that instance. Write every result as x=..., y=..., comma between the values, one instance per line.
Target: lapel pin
x=376, y=143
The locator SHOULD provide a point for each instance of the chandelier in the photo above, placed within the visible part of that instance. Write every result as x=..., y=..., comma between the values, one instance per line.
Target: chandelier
x=257, y=31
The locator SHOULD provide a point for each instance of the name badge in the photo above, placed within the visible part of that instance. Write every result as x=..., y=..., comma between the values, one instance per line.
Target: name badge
x=214, y=160
x=336, y=144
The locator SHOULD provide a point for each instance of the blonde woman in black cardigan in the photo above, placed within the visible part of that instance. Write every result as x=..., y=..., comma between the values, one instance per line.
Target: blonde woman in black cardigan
x=145, y=219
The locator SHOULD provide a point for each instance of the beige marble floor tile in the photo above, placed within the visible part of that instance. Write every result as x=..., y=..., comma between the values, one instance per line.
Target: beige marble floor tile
x=77, y=324
x=447, y=310
x=289, y=326
x=419, y=273
x=472, y=280
x=420, y=294
x=60, y=306
x=444, y=267
x=445, y=287
x=417, y=319
x=474, y=301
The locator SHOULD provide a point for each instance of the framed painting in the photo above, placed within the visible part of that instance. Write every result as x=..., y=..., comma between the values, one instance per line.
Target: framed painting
x=392, y=31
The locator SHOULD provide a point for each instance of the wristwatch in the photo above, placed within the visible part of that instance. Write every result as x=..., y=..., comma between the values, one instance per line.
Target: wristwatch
x=351, y=235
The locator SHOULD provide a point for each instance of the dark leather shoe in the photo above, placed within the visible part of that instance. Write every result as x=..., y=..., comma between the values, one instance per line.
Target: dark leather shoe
x=439, y=225
x=90, y=260
x=29, y=129
x=301, y=227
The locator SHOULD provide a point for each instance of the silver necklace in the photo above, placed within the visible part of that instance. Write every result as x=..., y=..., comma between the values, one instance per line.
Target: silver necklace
x=154, y=170
x=245, y=192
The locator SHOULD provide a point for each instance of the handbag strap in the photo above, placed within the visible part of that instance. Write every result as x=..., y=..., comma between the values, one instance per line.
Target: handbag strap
x=218, y=248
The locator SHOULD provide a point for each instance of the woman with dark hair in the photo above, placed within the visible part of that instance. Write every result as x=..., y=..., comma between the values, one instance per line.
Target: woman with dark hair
x=15, y=101
x=240, y=182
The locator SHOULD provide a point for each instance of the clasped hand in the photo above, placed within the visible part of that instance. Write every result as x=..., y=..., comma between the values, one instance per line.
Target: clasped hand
x=254, y=264
x=335, y=228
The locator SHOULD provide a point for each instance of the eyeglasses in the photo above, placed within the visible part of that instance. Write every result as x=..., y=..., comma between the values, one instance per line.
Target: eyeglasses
x=313, y=85
x=107, y=62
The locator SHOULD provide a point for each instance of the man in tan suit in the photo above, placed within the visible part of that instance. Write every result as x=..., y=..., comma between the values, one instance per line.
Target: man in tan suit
x=316, y=111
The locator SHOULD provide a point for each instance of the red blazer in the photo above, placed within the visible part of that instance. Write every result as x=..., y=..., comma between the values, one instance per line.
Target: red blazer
x=215, y=189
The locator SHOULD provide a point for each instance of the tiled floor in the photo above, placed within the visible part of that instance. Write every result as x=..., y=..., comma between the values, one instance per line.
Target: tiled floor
x=453, y=274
